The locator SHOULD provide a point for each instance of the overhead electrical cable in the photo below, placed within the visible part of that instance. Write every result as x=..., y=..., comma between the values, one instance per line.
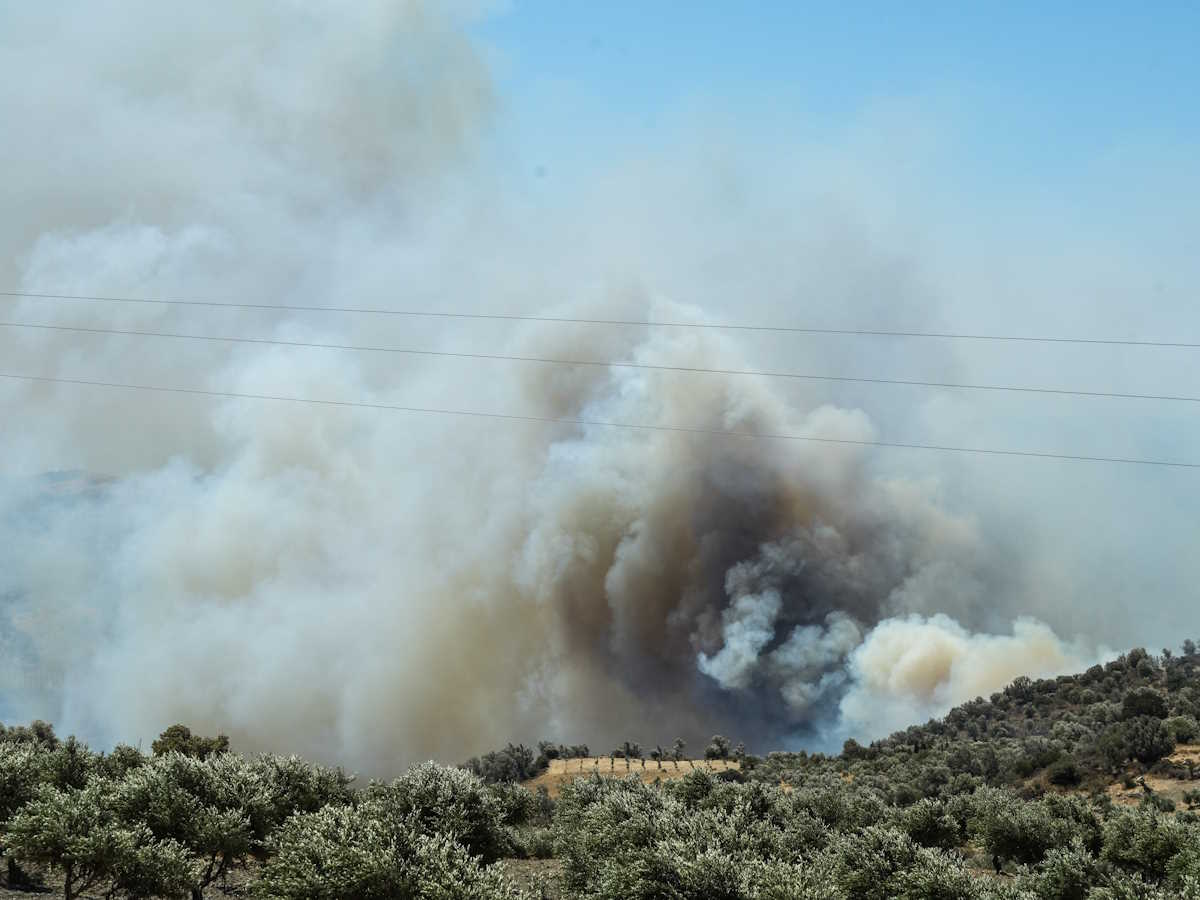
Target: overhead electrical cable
x=685, y=429
x=799, y=376
x=780, y=329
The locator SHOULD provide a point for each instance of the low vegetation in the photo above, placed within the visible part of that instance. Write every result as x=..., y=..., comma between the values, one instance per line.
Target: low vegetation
x=1077, y=787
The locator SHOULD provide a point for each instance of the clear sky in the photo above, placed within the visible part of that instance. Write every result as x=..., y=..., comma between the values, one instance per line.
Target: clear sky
x=1033, y=89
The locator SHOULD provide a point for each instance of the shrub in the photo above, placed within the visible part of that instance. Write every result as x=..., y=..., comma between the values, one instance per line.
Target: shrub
x=37, y=732
x=1024, y=831
x=1143, y=738
x=368, y=853
x=693, y=787
x=70, y=764
x=540, y=843
x=516, y=762
x=218, y=810
x=145, y=868
x=515, y=805
x=1144, y=702
x=179, y=739
x=22, y=770
x=929, y=824
x=121, y=761
x=781, y=880
x=440, y=800
x=1144, y=840
x=294, y=785
x=601, y=823
x=1183, y=729
x=1065, y=772
x=1147, y=739
x=78, y=831
x=718, y=748
x=1066, y=873
x=882, y=863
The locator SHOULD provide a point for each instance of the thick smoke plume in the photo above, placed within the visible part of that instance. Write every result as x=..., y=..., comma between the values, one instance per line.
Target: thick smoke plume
x=374, y=586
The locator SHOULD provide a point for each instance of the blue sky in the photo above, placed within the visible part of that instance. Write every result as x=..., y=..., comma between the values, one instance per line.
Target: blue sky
x=1032, y=90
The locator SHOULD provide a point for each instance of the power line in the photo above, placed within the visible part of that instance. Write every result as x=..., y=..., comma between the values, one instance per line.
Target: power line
x=599, y=363
x=781, y=329
x=685, y=429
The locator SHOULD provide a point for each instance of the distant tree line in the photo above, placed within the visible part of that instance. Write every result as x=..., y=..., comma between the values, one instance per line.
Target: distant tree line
x=517, y=762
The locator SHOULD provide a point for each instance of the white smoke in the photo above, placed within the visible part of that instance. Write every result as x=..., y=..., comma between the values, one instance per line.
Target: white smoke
x=908, y=669
x=370, y=586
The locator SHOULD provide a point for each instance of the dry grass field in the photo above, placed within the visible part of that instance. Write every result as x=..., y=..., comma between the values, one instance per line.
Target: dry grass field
x=1169, y=788
x=562, y=771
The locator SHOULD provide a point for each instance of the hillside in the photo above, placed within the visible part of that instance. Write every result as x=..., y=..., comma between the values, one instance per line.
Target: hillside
x=1078, y=732
x=1082, y=786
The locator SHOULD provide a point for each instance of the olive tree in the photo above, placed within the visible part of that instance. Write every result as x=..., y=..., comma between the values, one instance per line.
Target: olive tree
x=677, y=750
x=367, y=853
x=429, y=833
x=218, y=809
x=718, y=748
x=179, y=739
x=77, y=830
x=22, y=770
x=446, y=800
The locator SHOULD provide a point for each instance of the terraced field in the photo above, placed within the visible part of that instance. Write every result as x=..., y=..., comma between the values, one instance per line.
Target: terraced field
x=563, y=771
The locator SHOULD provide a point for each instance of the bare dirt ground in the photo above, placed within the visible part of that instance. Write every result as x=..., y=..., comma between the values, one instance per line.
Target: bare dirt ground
x=564, y=771
x=49, y=884
x=1185, y=754
x=1185, y=760
x=543, y=876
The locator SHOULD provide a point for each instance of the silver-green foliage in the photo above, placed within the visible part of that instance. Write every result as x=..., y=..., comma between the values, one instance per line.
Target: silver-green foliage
x=368, y=853
x=22, y=769
x=1145, y=841
x=209, y=807
x=444, y=800
x=428, y=835
x=79, y=831
x=624, y=839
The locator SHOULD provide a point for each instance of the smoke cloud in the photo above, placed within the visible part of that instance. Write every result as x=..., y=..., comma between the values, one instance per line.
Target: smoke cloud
x=371, y=586
x=910, y=668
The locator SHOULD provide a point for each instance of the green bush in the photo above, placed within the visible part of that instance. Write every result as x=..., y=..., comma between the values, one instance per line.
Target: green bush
x=515, y=805
x=22, y=769
x=368, y=853
x=929, y=824
x=1144, y=840
x=1066, y=873
x=1143, y=738
x=294, y=785
x=217, y=809
x=1144, y=702
x=540, y=843
x=1024, y=831
x=78, y=831
x=179, y=739
x=879, y=863
x=1183, y=729
x=38, y=733
x=516, y=762
x=1065, y=772
x=441, y=800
